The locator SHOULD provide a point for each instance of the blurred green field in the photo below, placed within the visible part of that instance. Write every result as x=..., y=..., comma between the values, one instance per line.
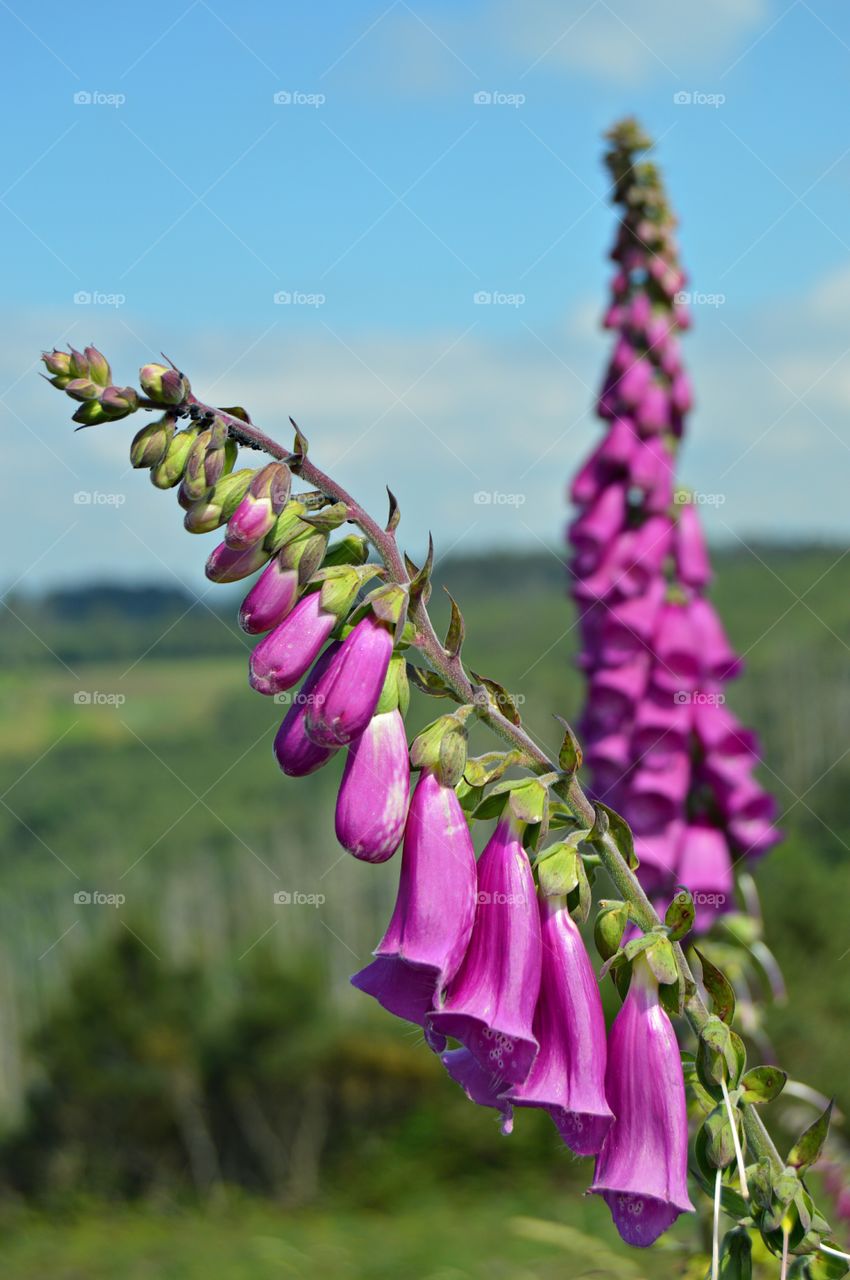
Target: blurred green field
x=172, y=800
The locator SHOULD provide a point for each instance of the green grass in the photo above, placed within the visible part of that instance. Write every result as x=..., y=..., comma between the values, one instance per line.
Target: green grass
x=451, y=1237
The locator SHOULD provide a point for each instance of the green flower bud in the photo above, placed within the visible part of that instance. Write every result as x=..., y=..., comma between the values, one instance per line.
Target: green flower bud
x=304, y=553
x=82, y=389
x=169, y=471
x=90, y=413
x=99, y=370
x=351, y=549
x=165, y=386
x=287, y=526
x=218, y=503
x=395, y=695
x=442, y=747
x=150, y=444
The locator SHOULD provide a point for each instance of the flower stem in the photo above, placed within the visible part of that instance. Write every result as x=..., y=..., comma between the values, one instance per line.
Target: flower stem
x=451, y=668
x=739, y=1155
x=715, y=1233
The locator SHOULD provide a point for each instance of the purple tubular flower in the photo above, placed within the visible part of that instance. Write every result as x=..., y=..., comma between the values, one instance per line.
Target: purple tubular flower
x=568, y=1075
x=285, y=654
x=614, y=692
x=295, y=753
x=629, y=626
x=720, y=662
x=642, y=1169
x=226, y=565
x=431, y=924
x=270, y=599
x=692, y=561
x=656, y=796
x=478, y=1085
x=705, y=868
x=489, y=1006
x=347, y=695
x=678, y=648
x=372, y=802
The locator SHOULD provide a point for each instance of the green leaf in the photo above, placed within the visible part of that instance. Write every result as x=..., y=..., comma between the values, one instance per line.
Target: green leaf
x=570, y=755
x=719, y=989
x=679, y=916
x=558, y=870
x=500, y=698
x=763, y=1084
x=607, y=820
x=394, y=514
x=430, y=682
x=662, y=961
x=609, y=928
x=456, y=632
x=420, y=583
x=809, y=1145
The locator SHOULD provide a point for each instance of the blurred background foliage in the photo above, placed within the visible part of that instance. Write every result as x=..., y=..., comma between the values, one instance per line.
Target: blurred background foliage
x=188, y=1081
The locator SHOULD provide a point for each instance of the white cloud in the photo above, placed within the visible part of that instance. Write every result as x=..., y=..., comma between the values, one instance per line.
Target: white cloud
x=622, y=42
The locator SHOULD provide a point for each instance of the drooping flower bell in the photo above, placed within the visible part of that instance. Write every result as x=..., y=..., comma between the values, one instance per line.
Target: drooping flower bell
x=371, y=805
x=489, y=1006
x=642, y=1169
x=431, y=924
x=568, y=1075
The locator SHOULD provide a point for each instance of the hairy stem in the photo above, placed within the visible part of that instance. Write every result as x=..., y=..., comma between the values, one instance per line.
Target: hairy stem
x=452, y=671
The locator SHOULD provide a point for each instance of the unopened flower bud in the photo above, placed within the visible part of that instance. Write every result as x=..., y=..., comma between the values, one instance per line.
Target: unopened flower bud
x=351, y=549
x=151, y=443
x=78, y=365
x=226, y=565
x=99, y=370
x=169, y=471
x=256, y=514
x=165, y=386
x=58, y=363
x=117, y=402
x=218, y=503
x=90, y=413
x=82, y=389
x=211, y=457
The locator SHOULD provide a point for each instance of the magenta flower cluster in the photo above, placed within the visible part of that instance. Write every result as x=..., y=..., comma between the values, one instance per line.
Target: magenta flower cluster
x=494, y=971
x=661, y=744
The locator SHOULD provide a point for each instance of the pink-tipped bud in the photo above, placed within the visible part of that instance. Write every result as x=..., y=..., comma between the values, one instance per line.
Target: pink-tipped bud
x=256, y=514
x=165, y=386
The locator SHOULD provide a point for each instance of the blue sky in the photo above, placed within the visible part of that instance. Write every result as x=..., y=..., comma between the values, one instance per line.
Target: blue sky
x=180, y=197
